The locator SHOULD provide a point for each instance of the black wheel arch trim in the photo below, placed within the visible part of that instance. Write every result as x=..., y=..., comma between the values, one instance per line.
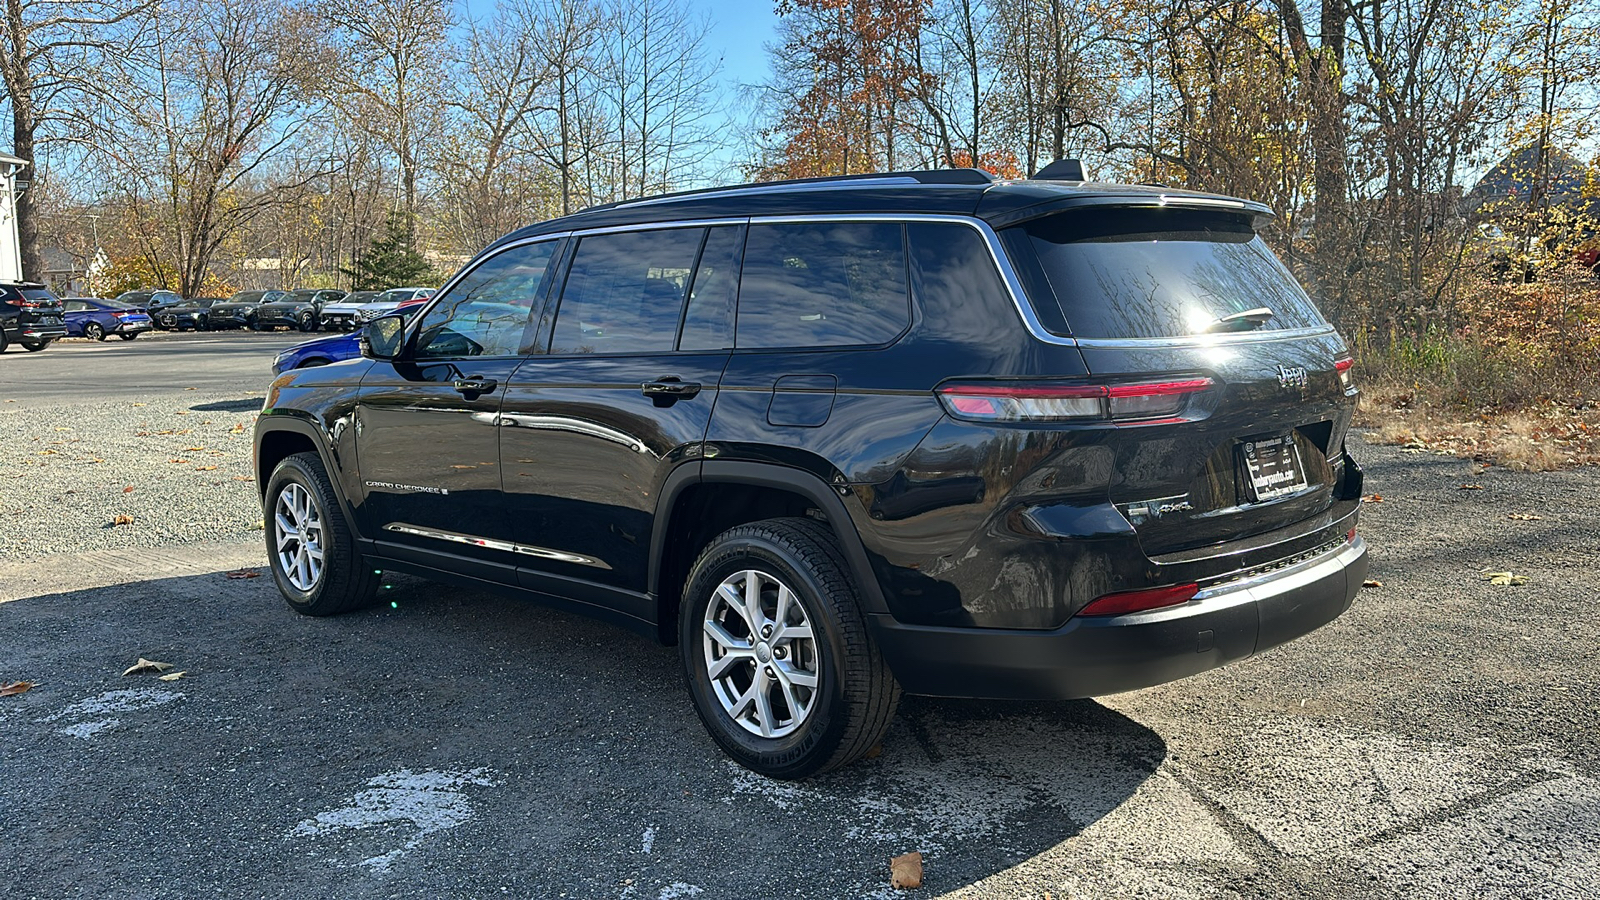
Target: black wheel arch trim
x=285, y=420
x=769, y=475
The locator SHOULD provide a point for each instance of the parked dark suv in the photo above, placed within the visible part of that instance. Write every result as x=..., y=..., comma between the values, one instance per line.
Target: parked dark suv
x=925, y=431
x=30, y=315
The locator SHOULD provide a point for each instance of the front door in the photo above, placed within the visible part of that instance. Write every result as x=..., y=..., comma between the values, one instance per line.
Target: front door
x=593, y=427
x=427, y=428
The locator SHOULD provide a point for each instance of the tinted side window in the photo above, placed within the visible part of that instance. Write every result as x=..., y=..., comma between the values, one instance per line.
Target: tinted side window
x=625, y=291
x=823, y=284
x=486, y=313
x=957, y=285
x=708, y=321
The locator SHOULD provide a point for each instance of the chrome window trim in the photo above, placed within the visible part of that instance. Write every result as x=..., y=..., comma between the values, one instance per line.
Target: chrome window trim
x=1008, y=275
x=757, y=190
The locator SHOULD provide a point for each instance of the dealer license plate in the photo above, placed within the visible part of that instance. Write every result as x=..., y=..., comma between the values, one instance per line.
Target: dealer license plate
x=1273, y=467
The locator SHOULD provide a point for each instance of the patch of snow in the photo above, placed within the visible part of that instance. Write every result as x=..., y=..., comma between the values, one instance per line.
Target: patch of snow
x=649, y=841
x=679, y=889
x=87, y=730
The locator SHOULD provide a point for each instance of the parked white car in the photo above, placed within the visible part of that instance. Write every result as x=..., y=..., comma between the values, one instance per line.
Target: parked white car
x=360, y=306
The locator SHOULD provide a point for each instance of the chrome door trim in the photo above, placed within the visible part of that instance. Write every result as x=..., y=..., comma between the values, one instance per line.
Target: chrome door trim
x=496, y=544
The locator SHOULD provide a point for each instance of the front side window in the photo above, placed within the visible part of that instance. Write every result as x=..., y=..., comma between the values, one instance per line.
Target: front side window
x=486, y=313
x=823, y=284
x=625, y=291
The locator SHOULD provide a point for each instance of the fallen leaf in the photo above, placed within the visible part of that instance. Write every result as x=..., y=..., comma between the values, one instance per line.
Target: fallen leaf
x=191, y=389
x=13, y=688
x=905, y=871
x=204, y=468
x=128, y=489
x=193, y=449
x=1504, y=578
x=177, y=460
x=122, y=520
x=243, y=478
x=260, y=525
x=140, y=404
x=1372, y=498
x=146, y=665
x=173, y=676
x=1472, y=487
x=1526, y=517
x=237, y=429
x=244, y=573
x=1372, y=582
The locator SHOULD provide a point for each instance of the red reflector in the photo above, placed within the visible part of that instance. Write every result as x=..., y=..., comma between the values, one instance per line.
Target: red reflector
x=1343, y=365
x=1139, y=601
x=1350, y=535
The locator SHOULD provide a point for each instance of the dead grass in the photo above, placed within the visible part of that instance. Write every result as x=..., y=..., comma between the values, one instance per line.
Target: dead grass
x=1538, y=438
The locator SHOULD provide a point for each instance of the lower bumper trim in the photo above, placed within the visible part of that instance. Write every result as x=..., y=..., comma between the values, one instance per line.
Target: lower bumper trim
x=1091, y=657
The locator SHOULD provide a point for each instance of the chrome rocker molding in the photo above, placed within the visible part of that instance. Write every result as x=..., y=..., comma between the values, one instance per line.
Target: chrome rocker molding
x=496, y=544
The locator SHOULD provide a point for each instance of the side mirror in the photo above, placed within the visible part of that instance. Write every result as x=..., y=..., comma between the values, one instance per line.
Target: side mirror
x=383, y=337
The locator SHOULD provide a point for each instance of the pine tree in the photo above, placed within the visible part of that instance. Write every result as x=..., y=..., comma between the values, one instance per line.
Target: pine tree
x=391, y=260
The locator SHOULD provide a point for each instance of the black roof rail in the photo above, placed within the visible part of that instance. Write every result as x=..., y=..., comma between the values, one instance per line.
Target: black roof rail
x=864, y=179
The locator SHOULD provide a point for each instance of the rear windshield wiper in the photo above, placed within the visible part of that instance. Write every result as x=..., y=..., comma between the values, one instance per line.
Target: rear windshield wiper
x=1241, y=321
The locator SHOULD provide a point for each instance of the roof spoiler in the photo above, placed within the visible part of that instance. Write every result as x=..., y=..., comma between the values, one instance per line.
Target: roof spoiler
x=1061, y=170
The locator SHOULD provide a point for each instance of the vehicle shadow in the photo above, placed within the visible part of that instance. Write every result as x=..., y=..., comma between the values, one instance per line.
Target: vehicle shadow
x=589, y=767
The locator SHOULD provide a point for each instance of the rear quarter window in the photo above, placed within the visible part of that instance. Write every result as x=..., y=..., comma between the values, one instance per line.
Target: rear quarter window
x=823, y=284
x=1157, y=273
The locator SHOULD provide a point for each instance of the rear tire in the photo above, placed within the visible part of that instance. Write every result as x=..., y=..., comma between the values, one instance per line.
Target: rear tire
x=310, y=546
x=94, y=331
x=35, y=347
x=128, y=337
x=760, y=685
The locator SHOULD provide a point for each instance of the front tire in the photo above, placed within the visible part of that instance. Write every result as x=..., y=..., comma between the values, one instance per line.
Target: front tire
x=310, y=546
x=308, y=323
x=776, y=653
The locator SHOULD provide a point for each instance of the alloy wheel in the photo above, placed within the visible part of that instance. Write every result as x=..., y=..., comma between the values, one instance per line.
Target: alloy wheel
x=760, y=654
x=297, y=525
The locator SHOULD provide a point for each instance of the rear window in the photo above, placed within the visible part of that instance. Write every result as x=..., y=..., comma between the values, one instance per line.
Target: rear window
x=38, y=295
x=1136, y=273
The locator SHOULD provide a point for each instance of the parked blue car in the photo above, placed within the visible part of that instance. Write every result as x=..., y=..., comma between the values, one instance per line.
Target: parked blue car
x=325, y=350
x=97, y=319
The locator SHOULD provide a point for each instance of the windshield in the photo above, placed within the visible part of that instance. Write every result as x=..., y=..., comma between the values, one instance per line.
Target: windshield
x=301, y=296
x=247, y=297
x=1137, y=273
x=363, y=297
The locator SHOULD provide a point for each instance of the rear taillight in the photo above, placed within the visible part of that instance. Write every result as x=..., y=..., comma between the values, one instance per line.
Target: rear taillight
x=29, y=304
x=1125, y=602
x=1001, y=401
x=1347, y=378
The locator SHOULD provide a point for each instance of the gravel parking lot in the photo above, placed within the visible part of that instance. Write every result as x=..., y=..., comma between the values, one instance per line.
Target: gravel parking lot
x=1439, y=739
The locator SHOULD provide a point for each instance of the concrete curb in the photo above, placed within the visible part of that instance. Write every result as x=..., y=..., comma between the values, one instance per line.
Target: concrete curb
x=64, y=572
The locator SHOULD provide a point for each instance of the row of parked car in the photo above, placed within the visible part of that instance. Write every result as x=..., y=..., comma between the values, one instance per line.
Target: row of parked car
x=304, y=310
x=34, y=317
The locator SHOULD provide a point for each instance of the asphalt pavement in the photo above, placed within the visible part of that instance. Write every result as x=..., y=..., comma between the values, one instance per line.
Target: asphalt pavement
x=1440, y=739
x=77, y=370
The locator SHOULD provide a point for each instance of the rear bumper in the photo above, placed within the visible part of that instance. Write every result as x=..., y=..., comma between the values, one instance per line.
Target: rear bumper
x=1090, y=657
x=133, y=327
x=34, y=333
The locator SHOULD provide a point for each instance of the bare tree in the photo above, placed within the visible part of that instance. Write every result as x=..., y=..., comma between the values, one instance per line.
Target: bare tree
x=207, y=136
x=390, y=77
x=47, y=51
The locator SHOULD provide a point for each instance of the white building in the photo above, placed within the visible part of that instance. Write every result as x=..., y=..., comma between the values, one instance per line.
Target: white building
x=10, y=247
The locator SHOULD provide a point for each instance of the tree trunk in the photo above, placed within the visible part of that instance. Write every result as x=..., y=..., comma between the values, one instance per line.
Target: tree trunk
x=1330, y=175
x=22, y=126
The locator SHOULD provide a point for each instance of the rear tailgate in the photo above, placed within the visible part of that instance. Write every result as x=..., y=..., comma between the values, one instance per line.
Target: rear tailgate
x=1171, y=293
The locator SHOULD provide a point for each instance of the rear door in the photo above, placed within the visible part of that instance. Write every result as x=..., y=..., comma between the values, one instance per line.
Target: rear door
x=620, y=397
x=1171, y=295
x=427, y=426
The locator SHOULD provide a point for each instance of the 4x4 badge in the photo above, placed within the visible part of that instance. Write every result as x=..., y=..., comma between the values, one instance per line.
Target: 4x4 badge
x=1293, y=378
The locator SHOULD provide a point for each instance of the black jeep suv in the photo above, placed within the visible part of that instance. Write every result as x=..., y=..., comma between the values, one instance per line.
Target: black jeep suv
x=840, y=438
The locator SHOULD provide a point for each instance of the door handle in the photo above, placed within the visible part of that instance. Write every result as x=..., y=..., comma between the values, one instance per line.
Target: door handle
x=475, y=385
x=670, y=388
